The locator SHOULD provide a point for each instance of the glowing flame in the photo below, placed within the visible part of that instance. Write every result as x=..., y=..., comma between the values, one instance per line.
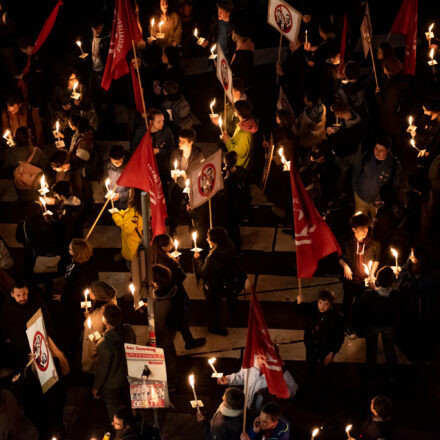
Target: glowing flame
x=187, y=183
x=358, y=213
x=57, y=126
x=75, y=86
x=196, y=33
x=211, y=105
x=413, y=144
x=191, y=380
x=348, y=428
x=315, y=432
x=161, y=24
x=431, y=27
x=431, y=54
x=43, y=202
x=175, y=164
x=86, y=293
x=394, y=252
x=367, y=268
x=220, y=122
x=132, y=288
x=211, y=361
x=410, y=120
x=89, y=323
x=213, y=49
x=7, y=134
x=194, y=236
x=78, y=42
x=176, y=244
x=152, y=22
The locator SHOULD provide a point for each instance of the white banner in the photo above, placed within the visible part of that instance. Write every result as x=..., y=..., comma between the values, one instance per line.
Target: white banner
x=366, y=31
x=224, y=73
x=43, y=359
x=147, y=376
x=284, y=19
x=206, y=180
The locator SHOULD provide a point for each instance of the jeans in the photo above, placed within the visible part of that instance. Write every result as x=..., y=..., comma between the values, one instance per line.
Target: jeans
x=371, y=335
x=366, y=208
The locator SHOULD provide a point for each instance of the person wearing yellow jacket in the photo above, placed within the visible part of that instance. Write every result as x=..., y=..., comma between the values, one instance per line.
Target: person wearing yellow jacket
x=130, y=222
x=241, y=140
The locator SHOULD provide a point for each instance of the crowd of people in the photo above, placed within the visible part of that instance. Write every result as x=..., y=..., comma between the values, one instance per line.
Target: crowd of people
x=344, y=132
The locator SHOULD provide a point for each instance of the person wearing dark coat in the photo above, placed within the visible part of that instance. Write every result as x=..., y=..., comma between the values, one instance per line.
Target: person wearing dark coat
x=111, y=366
x=185, y=159
x=80, y=274
x=293, y=73
x=379, y=425
x=165, y=296
x=227, y=422
x=221, y=260
x=390, y=100
x=161, y=248
x=359, y=253
x=220, y=30
x=242, y=63
x=324, y=331
x=379, y=311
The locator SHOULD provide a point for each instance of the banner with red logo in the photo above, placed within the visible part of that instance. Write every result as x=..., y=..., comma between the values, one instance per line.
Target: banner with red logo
x=206, y=180
x=224, y=73
x=285, y=19
x=366, y=31
x=42, y=356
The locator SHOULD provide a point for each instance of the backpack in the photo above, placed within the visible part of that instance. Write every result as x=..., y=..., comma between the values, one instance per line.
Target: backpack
x=233, y=280
x=26, y=175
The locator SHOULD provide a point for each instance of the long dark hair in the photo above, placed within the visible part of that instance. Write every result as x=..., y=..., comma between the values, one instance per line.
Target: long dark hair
x=135, y=200
x=156, y=250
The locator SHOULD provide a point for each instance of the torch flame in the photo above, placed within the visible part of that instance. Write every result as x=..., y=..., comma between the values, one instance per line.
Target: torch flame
x=394, y=252
x=132, y=288
x=78, y=42
x=191, y=380
x=57, y=126
x=213, y=49
x=431, y=27
x=7, y=134
x=212, y=104
x=75, y=86
x=431, y=54
x=211, y=361
x=410, y=120
x=196, y=33
x=348, y=428
x=89, y=323
x=220, y=122
x=194, y=235
x=315, y=432
x=176, y=244
x=175, y=164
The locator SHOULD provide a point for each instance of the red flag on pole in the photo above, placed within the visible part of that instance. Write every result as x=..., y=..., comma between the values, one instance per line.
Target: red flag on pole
x=313, y=238
x=141, y=172
x=259, y=345
x=406, y=24
x=343, y=45
x=125, y=30
x=44, y=33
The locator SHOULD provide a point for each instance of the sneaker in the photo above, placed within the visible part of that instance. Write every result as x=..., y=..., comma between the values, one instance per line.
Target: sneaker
x=217, y=331
x=194, y=343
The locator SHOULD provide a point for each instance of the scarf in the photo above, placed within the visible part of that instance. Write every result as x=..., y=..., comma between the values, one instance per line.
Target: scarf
x=226, y=412
x=383, y=291
x=249, y=125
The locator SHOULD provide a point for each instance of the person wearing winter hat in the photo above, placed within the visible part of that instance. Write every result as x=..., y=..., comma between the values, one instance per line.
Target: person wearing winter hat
x=101, y=294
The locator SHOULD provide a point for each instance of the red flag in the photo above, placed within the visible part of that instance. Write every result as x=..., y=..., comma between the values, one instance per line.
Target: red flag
x=136, y=91
x=44, y=33
x=125, y=30
x=406, y=24
x=343, y=45
x=259, y=345
x=313, y=238
x=141, y=172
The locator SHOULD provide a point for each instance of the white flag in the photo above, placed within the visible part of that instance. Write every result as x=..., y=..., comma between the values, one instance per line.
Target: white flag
x=284, y=19
x=224, y=73
x=206, y=180
x=366, y=31
x=42, y=357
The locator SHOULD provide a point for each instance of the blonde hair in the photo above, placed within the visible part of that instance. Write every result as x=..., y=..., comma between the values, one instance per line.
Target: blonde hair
x=81, y=250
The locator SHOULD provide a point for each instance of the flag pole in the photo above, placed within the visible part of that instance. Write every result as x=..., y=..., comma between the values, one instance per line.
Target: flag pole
x=374, y=64
x=99, y=215
x=279, y=55
x=225, y=124
x=140, y=83
x=210, y=214
x=246, y=386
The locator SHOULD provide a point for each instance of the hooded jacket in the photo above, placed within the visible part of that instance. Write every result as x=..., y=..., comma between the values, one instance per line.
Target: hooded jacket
x=280, y=432
x=130, y=223
x=111, y=366
x=241, y=141
x=113, y=173
x=379, y=307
